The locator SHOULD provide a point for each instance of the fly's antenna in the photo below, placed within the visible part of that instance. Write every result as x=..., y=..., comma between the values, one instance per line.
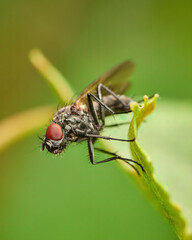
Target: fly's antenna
x=40, y=138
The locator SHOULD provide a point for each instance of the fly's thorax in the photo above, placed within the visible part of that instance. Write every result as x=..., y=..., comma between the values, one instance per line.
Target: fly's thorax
x=77, y=126
x=61, y=114
x=75, y=122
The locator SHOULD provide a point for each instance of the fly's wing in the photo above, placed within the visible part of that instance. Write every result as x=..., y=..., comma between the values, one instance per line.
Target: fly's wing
x=115, y=79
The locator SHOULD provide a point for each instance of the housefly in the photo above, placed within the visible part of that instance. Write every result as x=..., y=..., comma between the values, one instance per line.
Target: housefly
x=85, y=118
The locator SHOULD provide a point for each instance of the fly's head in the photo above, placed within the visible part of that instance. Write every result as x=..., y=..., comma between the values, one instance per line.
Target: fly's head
x=55, y=140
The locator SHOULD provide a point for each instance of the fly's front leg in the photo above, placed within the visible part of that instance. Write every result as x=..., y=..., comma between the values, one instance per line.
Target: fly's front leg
x=92, y=110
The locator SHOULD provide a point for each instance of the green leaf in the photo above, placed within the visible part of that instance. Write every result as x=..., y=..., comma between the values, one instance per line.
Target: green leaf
x=147, y=180
x=166, y=136
x=162, y=134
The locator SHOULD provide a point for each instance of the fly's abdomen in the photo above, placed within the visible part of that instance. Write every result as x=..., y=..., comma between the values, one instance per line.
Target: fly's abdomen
x=116, y=105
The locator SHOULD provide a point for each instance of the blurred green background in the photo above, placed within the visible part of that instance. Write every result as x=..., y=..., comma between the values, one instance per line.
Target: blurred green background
x=65, y=197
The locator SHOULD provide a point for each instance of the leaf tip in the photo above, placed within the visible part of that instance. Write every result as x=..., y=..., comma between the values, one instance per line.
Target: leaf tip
x=145, y=98
x=134, y=106
x=37, y=59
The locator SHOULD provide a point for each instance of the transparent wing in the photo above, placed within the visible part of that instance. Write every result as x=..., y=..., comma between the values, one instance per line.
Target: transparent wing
x=116, y=79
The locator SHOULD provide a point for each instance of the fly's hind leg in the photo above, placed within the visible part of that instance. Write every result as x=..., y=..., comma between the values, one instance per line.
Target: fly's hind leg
x=101, y=105
x=115, y=157
x=99, y=94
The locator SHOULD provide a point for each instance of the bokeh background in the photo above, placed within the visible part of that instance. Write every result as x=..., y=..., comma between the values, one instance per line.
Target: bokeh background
x=65, y=197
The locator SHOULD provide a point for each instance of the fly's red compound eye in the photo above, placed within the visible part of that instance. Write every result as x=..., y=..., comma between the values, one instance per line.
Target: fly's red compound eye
x=54, y=132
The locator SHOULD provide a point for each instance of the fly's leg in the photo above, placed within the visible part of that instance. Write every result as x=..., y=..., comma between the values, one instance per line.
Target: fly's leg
x=95, y=116
x=108, y=138
x=117, y=124
x=115, y=157
x=101, y=106
x=109, y=91
x=128, y=160
x=93, y=111
x=99, y=94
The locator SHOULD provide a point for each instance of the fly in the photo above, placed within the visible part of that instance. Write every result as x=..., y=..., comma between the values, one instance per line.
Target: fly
x=85, y=118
